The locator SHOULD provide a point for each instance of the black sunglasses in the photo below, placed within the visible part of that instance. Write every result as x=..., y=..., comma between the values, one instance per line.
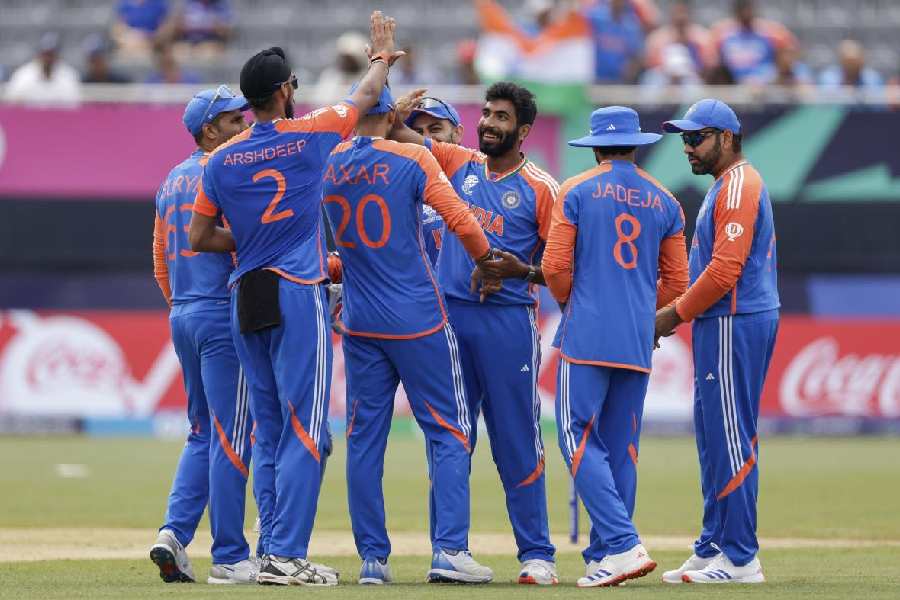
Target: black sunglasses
x=695, y=138
x=293, y=81
x=429, y=102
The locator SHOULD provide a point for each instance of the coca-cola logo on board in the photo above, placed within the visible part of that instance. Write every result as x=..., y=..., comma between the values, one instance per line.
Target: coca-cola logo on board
x=820, y=381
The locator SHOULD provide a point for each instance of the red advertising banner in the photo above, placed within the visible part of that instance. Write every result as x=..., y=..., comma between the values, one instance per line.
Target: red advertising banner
x=124, y=151
x=122, y=365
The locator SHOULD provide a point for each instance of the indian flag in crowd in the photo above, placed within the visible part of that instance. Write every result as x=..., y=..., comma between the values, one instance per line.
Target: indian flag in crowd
x=561, y=53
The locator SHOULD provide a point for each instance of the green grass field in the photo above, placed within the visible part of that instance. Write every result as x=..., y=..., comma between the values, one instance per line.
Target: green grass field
x=819, y=500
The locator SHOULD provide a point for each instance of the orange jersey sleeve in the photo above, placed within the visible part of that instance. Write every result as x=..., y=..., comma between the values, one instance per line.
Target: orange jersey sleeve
x=559, y=253
x=673, y=270
x=546, y=190
x=451, y=157
x=202, y=203
x=736, y=209
x=160, y=267
x=459, y=219
x=340, y=118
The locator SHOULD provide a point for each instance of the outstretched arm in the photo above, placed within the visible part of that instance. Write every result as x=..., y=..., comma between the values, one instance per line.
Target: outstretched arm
x=381, y=56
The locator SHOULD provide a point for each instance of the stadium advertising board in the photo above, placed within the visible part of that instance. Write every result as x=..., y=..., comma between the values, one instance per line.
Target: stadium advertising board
x=121, y=364
x=95, y=157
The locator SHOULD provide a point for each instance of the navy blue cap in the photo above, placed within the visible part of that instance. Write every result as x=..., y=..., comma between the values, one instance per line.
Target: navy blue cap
x=209, y=104
x=385, y=102
x=436, y=108
x=705, y=113
x=615, y=126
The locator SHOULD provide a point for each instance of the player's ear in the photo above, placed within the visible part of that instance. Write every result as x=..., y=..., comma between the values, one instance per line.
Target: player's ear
x=459, y=132
x=524, y=130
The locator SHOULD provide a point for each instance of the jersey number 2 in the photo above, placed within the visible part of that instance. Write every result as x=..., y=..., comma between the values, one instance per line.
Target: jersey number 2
x=626, y=239
x=270, y=216
x=360, y=220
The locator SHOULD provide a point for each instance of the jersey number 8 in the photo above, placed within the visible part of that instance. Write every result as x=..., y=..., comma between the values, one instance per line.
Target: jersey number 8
x=626, y=239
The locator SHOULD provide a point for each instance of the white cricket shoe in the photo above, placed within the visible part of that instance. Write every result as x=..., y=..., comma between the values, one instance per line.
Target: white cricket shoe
x=538, y=572
x=375, y=572
x=617, y=568
x=169, y=555
x=722, y=570
x=276, y=570
x=694, y=563
x=242, y=572
x=459, y=567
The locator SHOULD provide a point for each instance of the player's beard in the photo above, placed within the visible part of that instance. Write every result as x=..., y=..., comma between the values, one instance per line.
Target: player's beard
x=706, y=165
x=289, y=109
x=505, y=143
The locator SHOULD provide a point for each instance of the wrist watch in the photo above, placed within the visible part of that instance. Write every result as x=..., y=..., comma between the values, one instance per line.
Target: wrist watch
x=532, y=273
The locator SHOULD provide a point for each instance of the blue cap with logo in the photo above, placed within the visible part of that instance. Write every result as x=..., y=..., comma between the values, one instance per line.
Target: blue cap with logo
x=385, y=102
x=209, y=104
x=436, y=108
x=615, y=126
x=706, y=113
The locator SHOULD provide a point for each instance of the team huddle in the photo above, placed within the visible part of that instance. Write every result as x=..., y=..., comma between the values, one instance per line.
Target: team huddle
x=438, y=251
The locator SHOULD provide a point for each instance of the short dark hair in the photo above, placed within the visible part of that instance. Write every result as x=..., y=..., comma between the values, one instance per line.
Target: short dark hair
x=737, y=140
x=615, y=150
x=521, y=99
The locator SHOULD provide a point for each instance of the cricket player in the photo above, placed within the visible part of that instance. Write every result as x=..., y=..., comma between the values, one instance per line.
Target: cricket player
x=214, y=461
x=615, y=253
x=437, y=120
x=733, y=303
x=500, y=349
x=395, y=329
x=267, y=182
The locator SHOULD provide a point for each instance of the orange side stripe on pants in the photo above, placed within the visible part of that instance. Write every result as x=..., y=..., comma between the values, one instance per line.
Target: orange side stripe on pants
x=453, y=430
x=632, y=452
x=579, y=453
x=229, y=451
x=535, y=475
x=352, y=418
x=302, y=435
x=738, y=479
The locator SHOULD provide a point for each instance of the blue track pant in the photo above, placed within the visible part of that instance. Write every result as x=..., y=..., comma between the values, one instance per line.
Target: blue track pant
x=501, y=355
x=430, y=371
x=289, y=371
x=731, y=358
x=598, y=416
x=213, y=465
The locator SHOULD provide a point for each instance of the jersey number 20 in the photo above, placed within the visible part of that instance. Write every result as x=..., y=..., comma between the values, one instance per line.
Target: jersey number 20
x=360, y=220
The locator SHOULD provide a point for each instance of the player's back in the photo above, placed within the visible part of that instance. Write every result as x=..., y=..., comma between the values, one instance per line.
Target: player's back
x=374, y=191
x=267, y=181
x=193, y=277
x=622, y=216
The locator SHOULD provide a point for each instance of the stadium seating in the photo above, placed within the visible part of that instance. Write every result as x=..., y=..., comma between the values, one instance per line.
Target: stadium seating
x=308, y=28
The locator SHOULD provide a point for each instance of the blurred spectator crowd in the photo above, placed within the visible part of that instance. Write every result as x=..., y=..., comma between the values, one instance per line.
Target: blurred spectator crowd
x=652, y=43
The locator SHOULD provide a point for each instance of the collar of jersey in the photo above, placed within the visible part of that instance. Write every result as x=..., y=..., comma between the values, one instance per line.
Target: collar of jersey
x=502, y=176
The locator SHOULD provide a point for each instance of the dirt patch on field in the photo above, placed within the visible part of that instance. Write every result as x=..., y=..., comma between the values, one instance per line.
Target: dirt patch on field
x=98, y=544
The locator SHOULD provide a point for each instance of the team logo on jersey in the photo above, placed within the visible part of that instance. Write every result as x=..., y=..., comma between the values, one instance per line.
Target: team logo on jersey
x=734, y=231
x=511, y=199
x=341, y=110
x=429, y=215
x=469, y=184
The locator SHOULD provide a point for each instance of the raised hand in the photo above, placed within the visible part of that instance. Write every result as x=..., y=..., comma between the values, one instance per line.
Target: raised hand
x=404, y=105
x=381, y=30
